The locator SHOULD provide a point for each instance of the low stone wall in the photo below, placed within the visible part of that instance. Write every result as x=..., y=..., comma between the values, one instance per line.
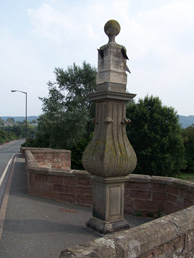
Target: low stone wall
x=169, y=237
x=72, y=186
x=144, y=195
x=23, y=149
x=156, y=196
x=50, y=158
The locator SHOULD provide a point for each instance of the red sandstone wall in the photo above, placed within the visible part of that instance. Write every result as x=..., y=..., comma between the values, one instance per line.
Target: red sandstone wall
x=156, y=196
x=53, y=158
x=71, y=188
x=147, y=199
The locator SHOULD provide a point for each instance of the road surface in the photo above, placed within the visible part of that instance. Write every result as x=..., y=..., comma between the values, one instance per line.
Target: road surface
x=7, y=153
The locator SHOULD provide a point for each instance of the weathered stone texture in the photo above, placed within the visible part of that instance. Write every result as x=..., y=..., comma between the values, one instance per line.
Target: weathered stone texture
x=109, y=153
x=53, y=158
x=171, y=236
x=58, y=184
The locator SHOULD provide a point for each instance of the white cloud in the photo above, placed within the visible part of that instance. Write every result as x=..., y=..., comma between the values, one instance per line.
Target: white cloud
x=158, y=36
x=22, y=69
x=160, y=64
x=50, y=23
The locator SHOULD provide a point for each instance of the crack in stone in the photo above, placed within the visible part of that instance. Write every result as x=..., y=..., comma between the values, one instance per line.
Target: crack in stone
x=120, y=253
x=175, y=225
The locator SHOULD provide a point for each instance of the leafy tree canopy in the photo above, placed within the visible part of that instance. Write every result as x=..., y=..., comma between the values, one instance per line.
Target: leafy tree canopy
x=155, y=135
x=67, y=114
x=10, y=120
x=1, y=121
x=78, y=82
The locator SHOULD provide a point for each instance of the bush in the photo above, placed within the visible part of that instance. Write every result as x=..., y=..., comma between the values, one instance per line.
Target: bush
x=155, y=135
x=188, y=136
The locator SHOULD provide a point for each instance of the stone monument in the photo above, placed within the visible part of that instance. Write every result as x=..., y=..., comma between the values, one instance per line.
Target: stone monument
x=109, y=156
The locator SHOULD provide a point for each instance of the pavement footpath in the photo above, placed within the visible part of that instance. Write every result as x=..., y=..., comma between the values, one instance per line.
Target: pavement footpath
x=34, y=227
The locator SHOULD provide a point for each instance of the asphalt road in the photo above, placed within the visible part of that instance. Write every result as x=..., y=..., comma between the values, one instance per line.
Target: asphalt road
x=7, y=152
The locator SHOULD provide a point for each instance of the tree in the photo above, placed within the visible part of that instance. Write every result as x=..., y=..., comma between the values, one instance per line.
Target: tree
x=155, y=135
x=1, y=121
x=10, y=120
x=67, y=116
x=16, y=129
x=6, y=136
x=78, y=82
x=188, y=137
x=3, y=136
x=33, y=122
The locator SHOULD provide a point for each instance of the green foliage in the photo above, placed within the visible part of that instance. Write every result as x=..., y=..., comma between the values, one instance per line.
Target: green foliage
x=78, y=82
x=1, y=121
x=66, y=122
x=10, y=120
x=186, y=176
x=138, y=214
x=6, y=136
x=3, y=136
x=62, y=129
x=77, y=151
x=156, y=138
x=188, y=137
x=16, y=131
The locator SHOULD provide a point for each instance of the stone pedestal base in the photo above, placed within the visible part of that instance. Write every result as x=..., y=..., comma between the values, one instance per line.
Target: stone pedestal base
x=108, y=205
x=106, y=227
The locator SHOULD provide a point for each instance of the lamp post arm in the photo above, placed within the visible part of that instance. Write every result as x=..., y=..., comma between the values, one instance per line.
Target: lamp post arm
x=25, y=110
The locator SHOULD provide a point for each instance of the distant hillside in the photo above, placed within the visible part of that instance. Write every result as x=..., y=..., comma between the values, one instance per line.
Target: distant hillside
x=186, y=121
x=20, y=118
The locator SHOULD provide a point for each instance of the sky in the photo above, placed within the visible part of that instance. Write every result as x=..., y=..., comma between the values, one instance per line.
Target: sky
x=36, y=36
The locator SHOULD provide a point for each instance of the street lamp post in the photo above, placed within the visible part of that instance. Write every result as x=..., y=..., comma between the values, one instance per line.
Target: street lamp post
x=25, y=109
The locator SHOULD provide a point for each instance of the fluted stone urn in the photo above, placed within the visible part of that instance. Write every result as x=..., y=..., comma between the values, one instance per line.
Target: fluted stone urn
x=109, y=156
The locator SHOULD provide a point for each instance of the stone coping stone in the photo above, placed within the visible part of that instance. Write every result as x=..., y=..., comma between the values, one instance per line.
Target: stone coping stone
x=37, y=149
x=34, y=168
x=49, y=150
x=41, y=150
x=138, y=241
x=34, y=148
x=23, y=149
x=135, y=178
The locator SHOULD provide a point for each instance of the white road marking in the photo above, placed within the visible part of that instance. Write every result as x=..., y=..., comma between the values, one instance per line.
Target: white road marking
x=6, y=197
x=5, y=171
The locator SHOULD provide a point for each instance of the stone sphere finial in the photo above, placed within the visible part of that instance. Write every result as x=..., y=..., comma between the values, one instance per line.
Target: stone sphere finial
x=112, y=29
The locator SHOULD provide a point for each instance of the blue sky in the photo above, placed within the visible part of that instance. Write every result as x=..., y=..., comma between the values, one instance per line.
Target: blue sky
x=36, y=36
